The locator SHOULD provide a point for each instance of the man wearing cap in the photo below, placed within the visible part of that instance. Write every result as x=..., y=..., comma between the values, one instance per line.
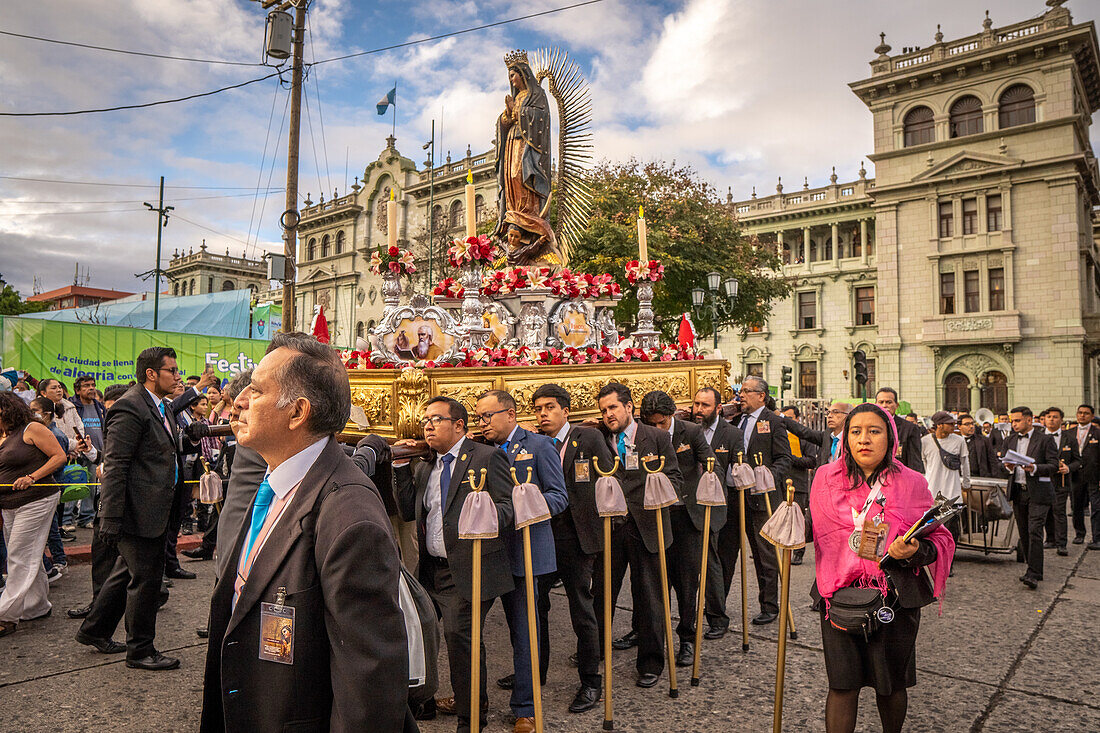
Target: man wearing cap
x=946, y=462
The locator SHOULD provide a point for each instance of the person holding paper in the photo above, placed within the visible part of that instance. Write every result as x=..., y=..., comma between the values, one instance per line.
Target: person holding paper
x=1028, y=459
x=863, y=503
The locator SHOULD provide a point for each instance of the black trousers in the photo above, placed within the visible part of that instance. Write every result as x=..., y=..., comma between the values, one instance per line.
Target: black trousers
x=684, y=563
x=103, y=560
x=1031, y=518
x=457, y=614
x=575, y=569
x=180, y=507
x=1056, y=524
x=1086, y=491
x=628, y=548
x=723, y=564
x=132, y=590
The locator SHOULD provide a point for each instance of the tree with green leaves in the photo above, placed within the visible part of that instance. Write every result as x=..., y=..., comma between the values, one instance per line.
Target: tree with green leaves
x=11, y=304
x=691, y=230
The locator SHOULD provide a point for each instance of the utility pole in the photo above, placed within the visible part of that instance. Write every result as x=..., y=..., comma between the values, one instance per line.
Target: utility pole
x=290, y=216
x=162, y=221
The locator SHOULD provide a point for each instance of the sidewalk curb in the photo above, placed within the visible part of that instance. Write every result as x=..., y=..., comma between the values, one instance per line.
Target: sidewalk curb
x=78, y=554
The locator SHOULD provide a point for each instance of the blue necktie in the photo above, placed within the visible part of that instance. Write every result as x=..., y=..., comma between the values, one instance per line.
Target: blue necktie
x=445, y=479
x=622, y=445
x=557, y=443
x=264, y=496
x=832, y=451
x=504, y=446
x=175, y=463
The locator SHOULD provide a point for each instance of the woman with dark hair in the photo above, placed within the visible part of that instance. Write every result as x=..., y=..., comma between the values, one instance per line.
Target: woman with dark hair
x=29, y=454
x=862, y=503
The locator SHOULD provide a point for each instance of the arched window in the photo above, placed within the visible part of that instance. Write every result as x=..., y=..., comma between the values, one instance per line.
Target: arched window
x=339, y=242
x=326, y=246
x=228, y=285
x=192, y=287
x=457, y=216
x=438, y=219
x=175, y=288
x=1017, y=106
x=786, y=254
x=381, y=209
x=359, y=330
x=995, y=392
x=919, y=127
x=813, y=251
x=311, y=253
x=370, y=325
x=209, y=284
x=956, y=393
x=966, y=117
x=480, y=212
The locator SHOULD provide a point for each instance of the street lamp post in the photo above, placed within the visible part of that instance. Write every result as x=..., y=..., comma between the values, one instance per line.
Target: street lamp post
x=721, y=295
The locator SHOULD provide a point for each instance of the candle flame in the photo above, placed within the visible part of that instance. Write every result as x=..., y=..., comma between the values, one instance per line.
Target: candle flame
x=469, y=176
x=641, y=212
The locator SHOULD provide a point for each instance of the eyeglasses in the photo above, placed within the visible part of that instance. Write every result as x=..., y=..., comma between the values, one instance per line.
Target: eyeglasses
x=485, y=417
x=837, y=412
x=173, y=370
x=434, y=421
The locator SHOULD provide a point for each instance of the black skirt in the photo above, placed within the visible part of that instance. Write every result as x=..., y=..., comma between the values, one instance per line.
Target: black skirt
x=887, y=661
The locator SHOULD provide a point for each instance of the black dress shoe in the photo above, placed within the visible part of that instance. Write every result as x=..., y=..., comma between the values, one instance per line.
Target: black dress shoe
x=507, y=683
x=1048, y=545
x=796, y=557
x=1079, y=539
x=585, y=699
x=154, y=663
x=765, y=617
x=199, y=553
x=180, y=574
x=625, y=642
x=104, y=646
x=686, y=656
x=1029, y=581
x=426, y=711
x=79, y=612
x=715, y=632
x=1093, y=545
x=647, y=680
x=203, y=632
x=1063, y=551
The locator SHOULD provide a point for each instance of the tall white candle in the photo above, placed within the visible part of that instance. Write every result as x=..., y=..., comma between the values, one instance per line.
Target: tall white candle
x=643, y=250
x=471, y=208
x=391, y=219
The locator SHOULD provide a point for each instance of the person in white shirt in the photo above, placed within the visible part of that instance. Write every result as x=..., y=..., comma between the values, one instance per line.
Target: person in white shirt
x=946, y=474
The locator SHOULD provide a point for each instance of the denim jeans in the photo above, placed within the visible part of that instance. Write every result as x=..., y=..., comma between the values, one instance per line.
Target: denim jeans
x=54, y=544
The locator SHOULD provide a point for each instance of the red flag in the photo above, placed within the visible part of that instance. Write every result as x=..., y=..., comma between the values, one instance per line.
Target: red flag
x=319, y=327
x=686, y=335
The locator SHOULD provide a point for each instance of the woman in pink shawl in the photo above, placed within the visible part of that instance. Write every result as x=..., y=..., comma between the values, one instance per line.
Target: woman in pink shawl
x=867, y=484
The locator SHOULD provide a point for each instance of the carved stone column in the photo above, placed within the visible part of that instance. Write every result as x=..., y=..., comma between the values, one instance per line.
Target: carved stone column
x=645, y=337
x=476, y=334
x=391, y=289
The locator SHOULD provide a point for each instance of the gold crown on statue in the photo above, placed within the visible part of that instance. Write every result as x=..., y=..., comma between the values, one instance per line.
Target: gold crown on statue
x=519, y=56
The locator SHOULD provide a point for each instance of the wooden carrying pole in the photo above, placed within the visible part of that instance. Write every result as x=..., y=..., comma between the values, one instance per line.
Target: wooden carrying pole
x=532, y=628
x=779, y=557
x=672, y=691
x=702, y=587
x=784, y=611
x=608, y=709
x=475, y=634
x=744, y=553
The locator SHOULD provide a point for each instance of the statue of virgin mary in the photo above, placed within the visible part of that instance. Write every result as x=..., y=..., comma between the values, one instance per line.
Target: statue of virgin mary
x=523, y=168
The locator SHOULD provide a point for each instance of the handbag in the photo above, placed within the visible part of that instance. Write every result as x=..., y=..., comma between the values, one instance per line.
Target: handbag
x=422, y=633
x=76, y=477
x=997, y=505
x=857, y=611
x=951, y=461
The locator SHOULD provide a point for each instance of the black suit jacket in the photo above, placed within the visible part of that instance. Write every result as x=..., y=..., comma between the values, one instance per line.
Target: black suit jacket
x=648, y=441
x=496, y=573
x=140, y=466
x=584, y=444
x=982, y=458
x=726, y=442
x=1088, y=471
x=1042, y=449
x=909, y=446
x=769, y=447
x=334, y=554
x=822, y=439
x=692, y=452
x=1069, y=453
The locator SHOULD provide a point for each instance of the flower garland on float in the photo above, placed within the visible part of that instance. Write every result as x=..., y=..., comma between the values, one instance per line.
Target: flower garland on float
x=524, y=356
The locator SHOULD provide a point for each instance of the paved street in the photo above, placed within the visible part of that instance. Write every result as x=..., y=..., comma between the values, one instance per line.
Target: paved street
x=1001, y=658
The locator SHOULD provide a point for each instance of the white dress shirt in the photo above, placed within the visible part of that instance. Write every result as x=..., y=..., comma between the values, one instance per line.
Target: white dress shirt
x=1020, y=475
x=748, y=423
x=709, y=430
x=433, y=502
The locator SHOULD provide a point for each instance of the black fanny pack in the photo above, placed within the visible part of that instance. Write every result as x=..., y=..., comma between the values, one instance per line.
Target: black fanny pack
x=859, y=611
x=951, y=461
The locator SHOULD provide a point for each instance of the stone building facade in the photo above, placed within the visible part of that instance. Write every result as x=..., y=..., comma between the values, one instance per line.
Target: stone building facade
x=967, y=269
x=195, y=273
x=336, y=237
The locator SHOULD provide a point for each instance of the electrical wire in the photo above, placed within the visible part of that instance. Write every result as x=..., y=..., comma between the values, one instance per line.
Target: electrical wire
x=142, y=105
x=320, y=111
x=63, y=213
x=203, y=226
x=312, y=138
x=270, y=175
x=139, y=201
x=127, y=185
x=263, y=163
x=128, y=53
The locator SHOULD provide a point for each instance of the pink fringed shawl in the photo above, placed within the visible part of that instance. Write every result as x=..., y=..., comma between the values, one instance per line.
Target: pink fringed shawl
x=831, y=504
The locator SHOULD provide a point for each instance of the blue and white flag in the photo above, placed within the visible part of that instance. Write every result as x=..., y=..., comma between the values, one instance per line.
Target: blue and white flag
x=385, y=102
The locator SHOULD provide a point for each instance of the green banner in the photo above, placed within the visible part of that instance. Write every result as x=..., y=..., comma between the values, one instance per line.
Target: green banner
x=68, y=350
x=267, y=320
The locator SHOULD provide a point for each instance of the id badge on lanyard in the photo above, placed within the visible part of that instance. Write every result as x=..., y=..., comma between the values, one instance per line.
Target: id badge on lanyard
x=868, y=538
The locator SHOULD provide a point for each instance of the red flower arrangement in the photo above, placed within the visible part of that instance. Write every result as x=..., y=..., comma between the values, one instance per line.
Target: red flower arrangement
x=449, y=288
x=471, y=249
x=524, y=356
x=392, y=259
x=568, y=284
x=505, y=281
x=652, y=270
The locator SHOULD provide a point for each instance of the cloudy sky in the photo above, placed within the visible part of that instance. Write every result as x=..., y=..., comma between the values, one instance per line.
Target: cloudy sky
x=744, y=90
